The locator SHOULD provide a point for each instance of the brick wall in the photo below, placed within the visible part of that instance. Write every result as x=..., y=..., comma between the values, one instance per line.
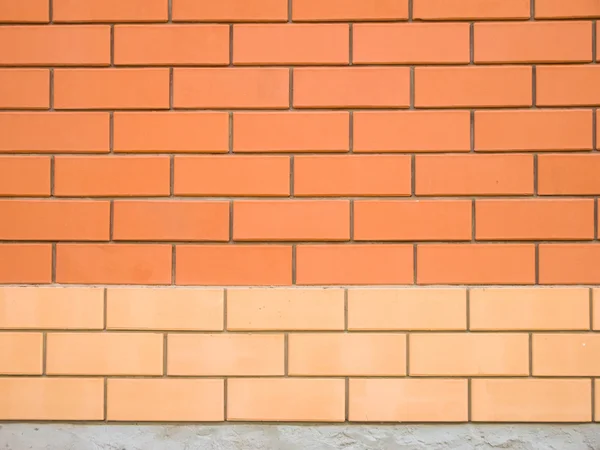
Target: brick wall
x=332, y=210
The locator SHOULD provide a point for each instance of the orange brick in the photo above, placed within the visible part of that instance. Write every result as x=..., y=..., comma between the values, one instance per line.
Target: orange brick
x=286, y=399
x=470, y=9
x=340, y=354
x=225, y=354
x=24, y=11
x=291, y=44
x=114, y=176
x=533, y=130
x=468, y=354
x=40, y=45
x=568, y=174
x=291, y=132
x=54, y=220
x=166, y=45
x=531, y=400
x=448, y=87
x=529, y=309
x=168, y=220
x=231, y=11
x=348, y=10
x=352, y=87
x=24, y=88
x=25, y=263
x=474, y=175
x=21, y=353
x=25, y=176
x=54, y=132
x=291, y=220
x=476, y=264
x=165, y=400
x=25, y=398
x=164, y=309
x=430, y=220
x=113, y=263
x=111, y=88
x=228, y=175
x=285, y=309
x=534, y=219
x=352, y=175
x=547, y=9
x=569, y=264
x=234, y=265
x=566, y=354
x=110, y=10
x=408, y=400
x=407, y=309
x=51, y=308
x=172, y=132
x=410, y=131
x=104, y=354
x=568, y=85
x=231, y=88
x=504, y=42
x=354, y=264
x=430, y=43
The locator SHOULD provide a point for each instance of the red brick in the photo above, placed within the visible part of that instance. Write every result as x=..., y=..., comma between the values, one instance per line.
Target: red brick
x=54, y=132
x=354, y=264
x=410, y=131
x=448, y=87
x=475, y=264
x=348, y=10
x=474, y=175
x=291, y=132
x=536, y=42
x=27, y=176
x=430, y=220
x=534, y=219
x=111, y=176
x=234, y=265
x=232, y=175
x=569, y=264
x=429, y=43
x=113, y=263
x=111, y=88
x=231, y=88
x=470, y=9
x=54, y=220
x=53, y=46
x=231, y=11
x=171, y=132
x=549, y=9
x=110, y=10
x=171, y=44
x=24, y=11
x=352, y=87
x=568, y=85
x=533, y=130
x=568, y=174
x=291, y=44
x=24, y=88
x=168, y=220
x=25, y=263
x=291, y=220
x=352, y=175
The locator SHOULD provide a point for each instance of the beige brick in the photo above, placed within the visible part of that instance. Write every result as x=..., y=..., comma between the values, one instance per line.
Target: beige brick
x=340, y=354
x=21, y=353
x=566, y=354
x=285, y=309
x=407, y=309
x=596, y=307
x=225, y=354
x=531, y=400
x=469, y=354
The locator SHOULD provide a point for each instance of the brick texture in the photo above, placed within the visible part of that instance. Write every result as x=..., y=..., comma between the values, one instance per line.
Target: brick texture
x=300, y=211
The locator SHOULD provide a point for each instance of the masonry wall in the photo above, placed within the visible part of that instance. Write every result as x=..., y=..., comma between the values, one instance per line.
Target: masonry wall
x=321, y=211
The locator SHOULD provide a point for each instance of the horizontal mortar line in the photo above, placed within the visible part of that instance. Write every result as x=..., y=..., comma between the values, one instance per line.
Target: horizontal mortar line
x=271, y=242
x=177, y=153
x=299, y=198
x=299, y=286
x=312, y=377
x=257, y=331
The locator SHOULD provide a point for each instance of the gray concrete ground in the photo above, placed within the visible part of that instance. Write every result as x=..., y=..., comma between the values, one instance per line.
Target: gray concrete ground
x=14, y=436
